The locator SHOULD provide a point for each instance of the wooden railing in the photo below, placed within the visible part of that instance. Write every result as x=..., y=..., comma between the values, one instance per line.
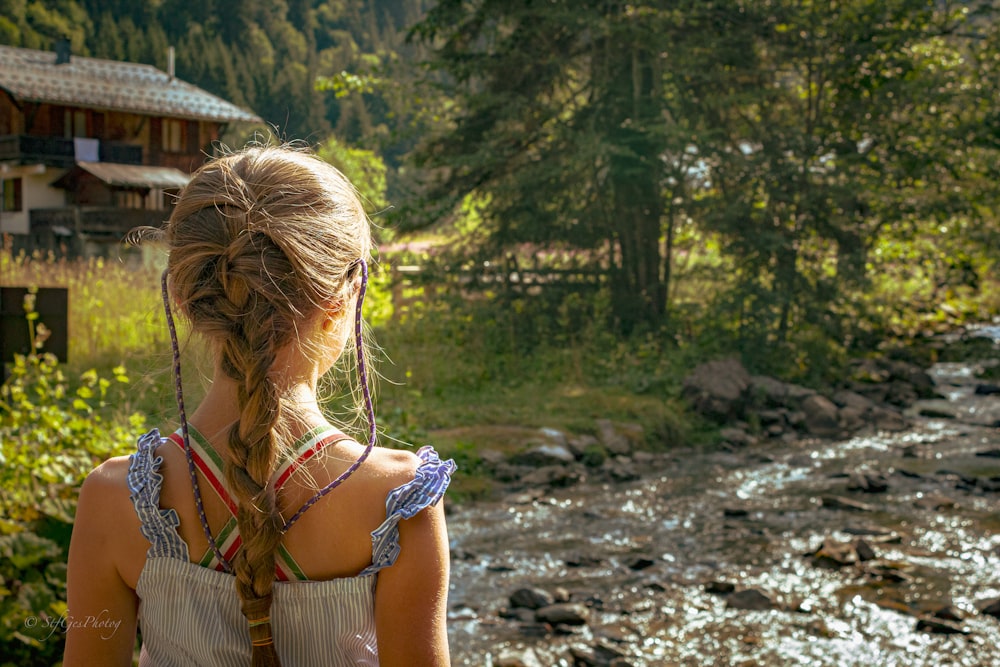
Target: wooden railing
x=411, y=284
x=60, y=152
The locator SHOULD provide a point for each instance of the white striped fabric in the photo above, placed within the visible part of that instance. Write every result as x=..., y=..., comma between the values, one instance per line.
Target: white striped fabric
x=190, y=615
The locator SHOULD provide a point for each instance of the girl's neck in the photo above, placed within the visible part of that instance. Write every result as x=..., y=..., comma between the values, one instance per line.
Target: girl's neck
x=220, y=409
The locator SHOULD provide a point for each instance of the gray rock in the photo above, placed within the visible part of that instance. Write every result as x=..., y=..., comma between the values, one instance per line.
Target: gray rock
x=798, y=394
x=750, y=599
x=613, y=440
x=720, y=587
x=553, y=475
x=834, y=555
x=915, y=376
x=940, y=626
x=768, y=391
x=718, y=389
x=580, y=444
x=901, y=393
x=852, y=399
x=932, y=412
x=821, y=417
x=620, y=469
x=851, y=418
x=990, y=606
x=563, y=613
x=541, y=455
x=518, y=658
x=771, y=417
x=556, y=436
x=531, y=598
x=737, y=437
x=884, y=419
x=864, y=550
x=868, y=482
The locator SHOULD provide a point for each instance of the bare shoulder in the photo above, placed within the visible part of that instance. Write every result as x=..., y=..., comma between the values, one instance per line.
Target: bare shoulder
x=393, y=466
x=108, y=482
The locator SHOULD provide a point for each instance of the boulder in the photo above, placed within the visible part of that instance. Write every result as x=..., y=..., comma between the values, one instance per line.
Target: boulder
x=580, y=445
x=940, y=626
x=737, y=437
x=990, y=606
x=852, y=399
x=834, y=555
x=531, y=598
x=933, y=412
x=768, y=391
x=720, y=587
x=798, y=394
x=864, y=550
x=518, y=658
x=554, y=475
x=901, y=393
x=915, y=376
x=750, y=599
x=884, y=419
x=620, y=469
x=615, y=442
x=868, y=482
x=563, y=613
x=542, y=455
x=821, y=417
x=718, y=389
x=851, y=418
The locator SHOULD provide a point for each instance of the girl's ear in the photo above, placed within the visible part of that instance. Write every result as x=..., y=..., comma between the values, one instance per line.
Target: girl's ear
x=333, y=312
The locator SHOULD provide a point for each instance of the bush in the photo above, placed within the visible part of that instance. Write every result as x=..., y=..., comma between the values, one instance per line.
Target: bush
x=52, y=433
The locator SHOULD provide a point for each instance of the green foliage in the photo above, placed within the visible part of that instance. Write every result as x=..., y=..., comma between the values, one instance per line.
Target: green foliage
x=53, y=431
x=363, y=168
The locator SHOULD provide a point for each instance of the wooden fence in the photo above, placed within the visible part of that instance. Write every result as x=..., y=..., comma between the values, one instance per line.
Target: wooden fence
x=411, y=284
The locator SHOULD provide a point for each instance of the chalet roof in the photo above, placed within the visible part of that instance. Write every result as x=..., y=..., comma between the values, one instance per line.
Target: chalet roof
x=33, y=76
x=126, y=175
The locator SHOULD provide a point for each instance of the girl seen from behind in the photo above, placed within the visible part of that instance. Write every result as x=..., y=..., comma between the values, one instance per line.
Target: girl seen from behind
x=259, y=533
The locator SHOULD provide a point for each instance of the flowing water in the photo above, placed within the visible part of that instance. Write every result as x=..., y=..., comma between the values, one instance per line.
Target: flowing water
x=935, y=532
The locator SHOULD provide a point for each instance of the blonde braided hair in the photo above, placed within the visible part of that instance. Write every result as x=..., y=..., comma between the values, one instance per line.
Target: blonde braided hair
x=261, y=241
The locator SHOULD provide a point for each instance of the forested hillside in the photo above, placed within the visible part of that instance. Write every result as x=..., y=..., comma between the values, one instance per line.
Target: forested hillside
x=294, y=63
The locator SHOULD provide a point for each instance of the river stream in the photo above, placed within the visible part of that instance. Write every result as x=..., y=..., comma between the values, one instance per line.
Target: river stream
x=639, y=554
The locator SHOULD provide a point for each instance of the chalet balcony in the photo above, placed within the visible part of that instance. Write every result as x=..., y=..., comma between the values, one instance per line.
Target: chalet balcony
x=59, y=152
x=93, y=222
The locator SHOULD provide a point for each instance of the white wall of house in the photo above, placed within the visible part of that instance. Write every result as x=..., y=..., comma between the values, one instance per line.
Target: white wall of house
x=36, y=192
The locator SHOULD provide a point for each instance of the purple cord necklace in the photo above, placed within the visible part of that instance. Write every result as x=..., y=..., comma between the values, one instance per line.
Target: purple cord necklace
x=179, y=393
x=369, y=408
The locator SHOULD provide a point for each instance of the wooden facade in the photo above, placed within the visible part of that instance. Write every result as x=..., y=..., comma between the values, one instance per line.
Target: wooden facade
x=56, y=119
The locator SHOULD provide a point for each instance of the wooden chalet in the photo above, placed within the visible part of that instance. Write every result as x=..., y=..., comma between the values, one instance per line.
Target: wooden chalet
x=91, y=148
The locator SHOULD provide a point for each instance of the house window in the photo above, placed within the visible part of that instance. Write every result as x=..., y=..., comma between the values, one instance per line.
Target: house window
x=173, y=135
x=12, y=195
x=74, y=123
x=129, y=199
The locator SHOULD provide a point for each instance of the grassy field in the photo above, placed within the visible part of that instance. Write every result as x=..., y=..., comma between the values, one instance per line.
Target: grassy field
x=448, y=376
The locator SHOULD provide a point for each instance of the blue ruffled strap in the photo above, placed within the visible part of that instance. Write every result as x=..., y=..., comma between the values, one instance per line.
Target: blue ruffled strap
x=425, y=490
x=159, y=526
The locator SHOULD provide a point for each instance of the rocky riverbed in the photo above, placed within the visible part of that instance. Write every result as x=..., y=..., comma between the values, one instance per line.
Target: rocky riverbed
x=881, y=548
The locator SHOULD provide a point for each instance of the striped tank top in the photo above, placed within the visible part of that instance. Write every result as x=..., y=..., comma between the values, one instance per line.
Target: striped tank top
x=189, y=612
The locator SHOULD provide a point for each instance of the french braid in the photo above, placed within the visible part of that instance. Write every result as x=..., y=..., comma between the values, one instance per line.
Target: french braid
x=261, y=241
